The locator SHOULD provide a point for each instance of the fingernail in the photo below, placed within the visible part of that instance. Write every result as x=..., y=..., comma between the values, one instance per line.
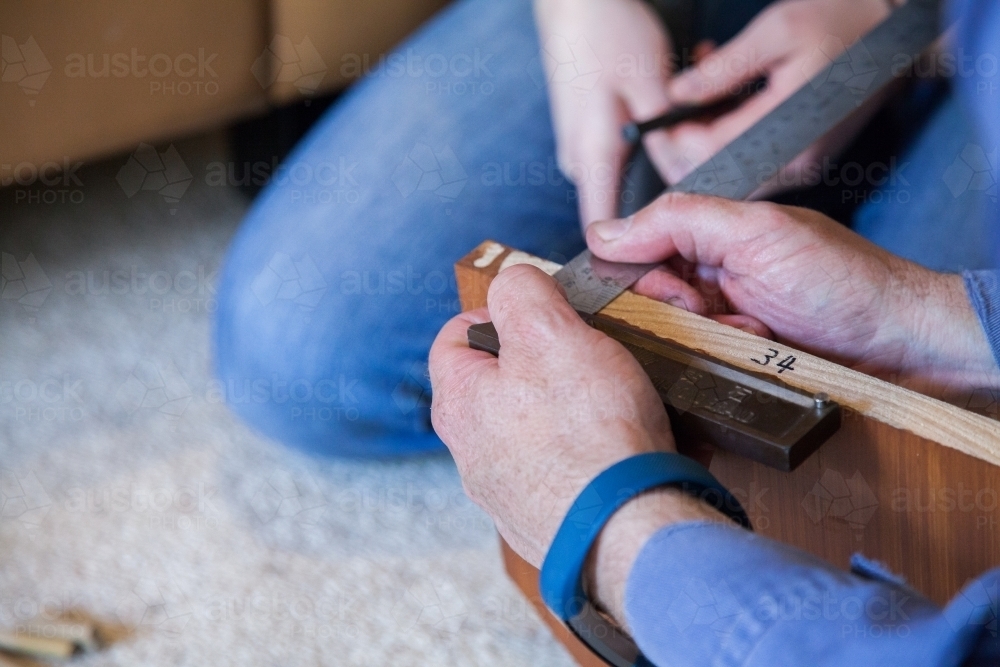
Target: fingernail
x=609, y=230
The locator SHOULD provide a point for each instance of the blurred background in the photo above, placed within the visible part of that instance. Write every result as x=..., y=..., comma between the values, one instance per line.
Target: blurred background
x=137, y=515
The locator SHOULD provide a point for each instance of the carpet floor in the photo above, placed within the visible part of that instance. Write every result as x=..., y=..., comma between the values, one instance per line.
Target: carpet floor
x=129, y=497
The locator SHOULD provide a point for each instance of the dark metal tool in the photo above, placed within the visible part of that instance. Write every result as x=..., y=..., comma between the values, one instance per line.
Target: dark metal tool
x=632, y=132
x=592, y=283
x=713, y=402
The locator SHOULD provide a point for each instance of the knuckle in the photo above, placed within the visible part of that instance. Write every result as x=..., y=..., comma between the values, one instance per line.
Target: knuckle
x=542, y=326
x=774, y=214
x=669, y=204
x=774, y=219
x=513, y=280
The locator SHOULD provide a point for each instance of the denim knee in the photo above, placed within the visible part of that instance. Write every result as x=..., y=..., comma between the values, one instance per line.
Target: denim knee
x=315, y=378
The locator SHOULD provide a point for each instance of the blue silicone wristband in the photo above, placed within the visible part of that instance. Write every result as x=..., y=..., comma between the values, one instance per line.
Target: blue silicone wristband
x=561, y=580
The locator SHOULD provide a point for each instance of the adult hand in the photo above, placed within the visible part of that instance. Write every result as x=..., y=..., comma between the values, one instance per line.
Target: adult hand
x=788, y=43
x=798, y=275
x=607, y=62
x=530, y=429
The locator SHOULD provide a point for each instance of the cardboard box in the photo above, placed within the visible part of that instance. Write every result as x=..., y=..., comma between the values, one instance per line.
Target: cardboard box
x=336, y=40
x=85, y=79
x=82, y=80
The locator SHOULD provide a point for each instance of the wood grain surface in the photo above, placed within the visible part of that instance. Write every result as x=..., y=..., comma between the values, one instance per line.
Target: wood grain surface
x=908, y=480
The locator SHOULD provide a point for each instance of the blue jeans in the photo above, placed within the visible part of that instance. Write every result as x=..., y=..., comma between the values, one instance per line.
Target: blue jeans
x=341, y=275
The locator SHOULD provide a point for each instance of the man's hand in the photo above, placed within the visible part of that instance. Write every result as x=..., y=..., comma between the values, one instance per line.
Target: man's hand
x=796, y=274
x=619, y=62
x=529, y=430
x=789, y=43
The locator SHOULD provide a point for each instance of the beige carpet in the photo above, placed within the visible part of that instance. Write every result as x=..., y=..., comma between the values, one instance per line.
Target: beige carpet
x=132, y=498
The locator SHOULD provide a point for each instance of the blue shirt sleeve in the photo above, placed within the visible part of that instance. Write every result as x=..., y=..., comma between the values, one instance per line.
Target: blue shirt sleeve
x=977, y=52
x=983, y=288
x=712, y=594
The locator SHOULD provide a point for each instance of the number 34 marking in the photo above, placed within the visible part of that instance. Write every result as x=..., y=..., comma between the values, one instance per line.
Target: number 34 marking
x=783, y=365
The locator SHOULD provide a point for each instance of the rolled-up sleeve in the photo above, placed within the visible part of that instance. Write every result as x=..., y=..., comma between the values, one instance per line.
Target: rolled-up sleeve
x=710, y=594
x=983, y=288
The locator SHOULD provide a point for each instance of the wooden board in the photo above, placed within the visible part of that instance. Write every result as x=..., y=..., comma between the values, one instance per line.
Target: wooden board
x=908, y=480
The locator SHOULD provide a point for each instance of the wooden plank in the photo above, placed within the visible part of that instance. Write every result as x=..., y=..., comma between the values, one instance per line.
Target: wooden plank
x=886, y=403
x=908, y=480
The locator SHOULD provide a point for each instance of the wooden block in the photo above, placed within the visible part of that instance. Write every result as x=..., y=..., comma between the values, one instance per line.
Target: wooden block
x=36, y=647
x=908, y=480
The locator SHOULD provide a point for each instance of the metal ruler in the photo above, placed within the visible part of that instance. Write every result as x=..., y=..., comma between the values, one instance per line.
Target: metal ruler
x=801, y=120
